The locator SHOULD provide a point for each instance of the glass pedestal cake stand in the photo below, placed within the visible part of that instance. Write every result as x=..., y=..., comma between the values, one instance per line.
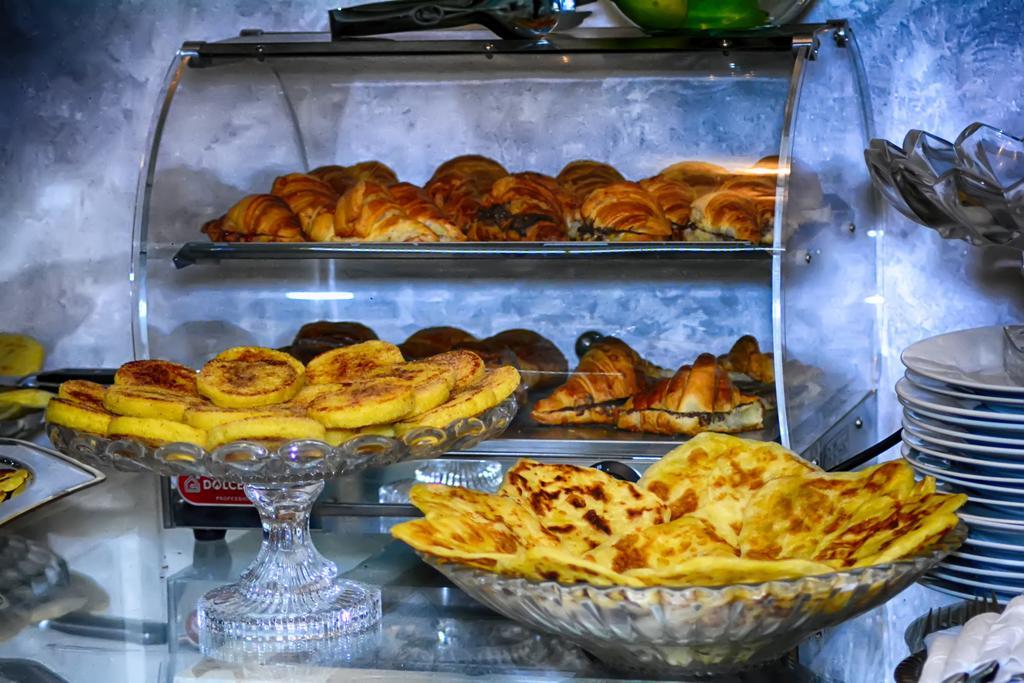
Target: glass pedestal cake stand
x=291, y=597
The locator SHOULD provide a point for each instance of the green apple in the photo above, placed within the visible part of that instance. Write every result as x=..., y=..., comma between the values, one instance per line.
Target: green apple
x=663, y=15
x=667, y=15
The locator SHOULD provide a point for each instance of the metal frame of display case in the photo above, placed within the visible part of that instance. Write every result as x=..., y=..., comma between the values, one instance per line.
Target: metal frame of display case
x=844, y=424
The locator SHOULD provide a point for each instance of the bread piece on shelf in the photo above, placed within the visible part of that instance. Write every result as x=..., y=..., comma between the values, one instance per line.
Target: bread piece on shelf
x=158, y=374
x=746, y=362
x=467, y=366
x=369, y=213
x=261, y=216
x=760, y=188
x=459, y=185
x=250, y=377
x=623, y=212
x=702, y=176
x=521, y=208
x=584, y=176
x=343, y=178
x=675, y=198
x=726, y=216
x=479, y=171
x=312, y=200
x=699, y=398
x=351, y=363
x=420, y=207
x=82, y=391
x=608, y=373
x=433, y=340
x=540, y=362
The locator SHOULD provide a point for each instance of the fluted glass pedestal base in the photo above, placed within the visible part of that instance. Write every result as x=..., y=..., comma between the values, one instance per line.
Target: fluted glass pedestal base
x=290, y=598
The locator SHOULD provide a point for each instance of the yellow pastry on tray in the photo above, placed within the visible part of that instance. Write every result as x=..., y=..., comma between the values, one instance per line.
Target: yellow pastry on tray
x=351, y=363
x=266, y=429
x=34, y=399
x=82, y=391
x=248, y=377
x=155, y=431
x=488, y=391
x=20, y=355
x=365, y=402
x=143, y=402
x=84, y=416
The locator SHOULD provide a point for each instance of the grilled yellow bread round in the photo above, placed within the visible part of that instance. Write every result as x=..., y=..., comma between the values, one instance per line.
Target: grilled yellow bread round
x=495, y=386
x=467, y=366
x=155, y=431
x=266, y=429
x=351, y=363
x=157, y=374
x=502, y=381
x=20, y=355
x=82, y=391
x=369, y=402
x=336, y=437
x=311, y=392
x=207, y=416
x=27, y=398
x=250, y=377
x=431, y=383
x=86, y=417
x=134, y=401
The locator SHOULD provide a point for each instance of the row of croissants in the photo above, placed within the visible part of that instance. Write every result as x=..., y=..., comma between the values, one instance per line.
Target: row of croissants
x=474, y=198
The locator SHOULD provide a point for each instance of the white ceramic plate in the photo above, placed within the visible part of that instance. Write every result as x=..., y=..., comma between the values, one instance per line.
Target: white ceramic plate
x=966, y=358
x=1003, y=462
x=1004, y=573
x=914, y=457
x=916, y=397
x=946, y=390
x=986, y=426
x=964, y=581
x=934, y=432
x=990, y=523
x=999, y=561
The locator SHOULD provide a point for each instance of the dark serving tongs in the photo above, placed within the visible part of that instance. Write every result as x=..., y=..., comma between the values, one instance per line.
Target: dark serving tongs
x=52, y=379
x=511, y=19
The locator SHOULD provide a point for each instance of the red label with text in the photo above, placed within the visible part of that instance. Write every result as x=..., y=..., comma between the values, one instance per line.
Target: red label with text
x=206, y=491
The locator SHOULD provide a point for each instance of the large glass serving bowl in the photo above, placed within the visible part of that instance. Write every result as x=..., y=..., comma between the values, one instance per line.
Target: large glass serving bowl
x=290, y=599
x=695, y=630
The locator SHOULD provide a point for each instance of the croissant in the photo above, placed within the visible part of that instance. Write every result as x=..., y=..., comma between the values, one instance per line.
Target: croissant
x=312, y=200
x=568, y=201
x=256, y=218
x=675, y=199
x=538, y=359
x=623, y=212
x=343, y=178
x=723, y=216
x=699, y=398
x=700, y=175
x=760, y=188
x=368, y=212
x=431, y=341
x=415, y=202
x=746, y=362
x=520, y=208
x=584, y=176
x=608, y=373
x=459, y=185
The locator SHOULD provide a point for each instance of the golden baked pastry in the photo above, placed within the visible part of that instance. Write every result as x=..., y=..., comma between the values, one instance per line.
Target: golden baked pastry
x=488, y=391
x=702, y=176
x=584, y=176
x=459, y=185
x=83, y=416
x=343, y=178
x=206, y=416
x=155, y=431
x=265, y=429
x=82, y=391
x=726, y=216
x=420, y=207
x=759, y=188
x=541, y=363
x=478, y=171
x=136, y=401
x=20, y=355
x=351, y=363
x=365, y=402
x=433, y=340
x=312, y=200
x=312, y=339
x=608, y=373
x=675, y=199
x=369, y=212
x=466, y=365
x=258, y=216
x=623, y=212
x=746, y=362
x=521, y=208
x=157, y=374
x=431, y=383
x=699, y=398
x=250, y=377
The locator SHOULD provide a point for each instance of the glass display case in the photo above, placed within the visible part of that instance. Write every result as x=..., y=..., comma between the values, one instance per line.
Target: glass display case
x=236, y=114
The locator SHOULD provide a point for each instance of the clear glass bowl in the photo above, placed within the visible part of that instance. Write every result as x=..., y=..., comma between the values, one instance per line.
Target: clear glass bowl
x=696, y=630
x=291, y=598
x=971, y=189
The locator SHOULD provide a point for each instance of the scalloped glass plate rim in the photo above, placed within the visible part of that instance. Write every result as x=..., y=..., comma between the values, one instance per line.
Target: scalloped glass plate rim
x=949, y=542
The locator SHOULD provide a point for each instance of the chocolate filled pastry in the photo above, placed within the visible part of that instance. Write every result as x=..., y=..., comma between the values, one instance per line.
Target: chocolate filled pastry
x=312, y=200
x=699, y=398
x=608, y=373
x=521, y=208
x=623, y=212
x=727, y=216
x=344, y=178
x=418, y=205
x=760, y=188
x=746, y=362
x=539, y=361
x=584, y=176
x=700, y=175
x=368, y=212
x=312, y=339
x=257, y=218
x=431, y=341
x=459, y=185
x=675, y=199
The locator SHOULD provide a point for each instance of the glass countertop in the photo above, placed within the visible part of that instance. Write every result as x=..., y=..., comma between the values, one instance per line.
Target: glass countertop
x=120, y=608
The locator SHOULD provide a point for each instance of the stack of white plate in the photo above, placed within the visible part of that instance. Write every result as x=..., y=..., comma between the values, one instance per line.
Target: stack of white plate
x=963, y=423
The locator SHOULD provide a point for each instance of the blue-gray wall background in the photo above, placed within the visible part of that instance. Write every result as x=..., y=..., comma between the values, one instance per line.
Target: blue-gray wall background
x=79, y=79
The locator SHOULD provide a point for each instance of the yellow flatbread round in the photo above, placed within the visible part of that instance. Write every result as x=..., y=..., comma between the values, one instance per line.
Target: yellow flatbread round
x=86, y=417
x=249, y=377
x=369, y=402
x=135, y=401
x=20, y=355
x=351, y=363
x=155, y=431
x=467, y=366
x=35, y=399
x=207, y=416
x=431, y=384
x=82, y=391
x=266, y=429
x=157, y=374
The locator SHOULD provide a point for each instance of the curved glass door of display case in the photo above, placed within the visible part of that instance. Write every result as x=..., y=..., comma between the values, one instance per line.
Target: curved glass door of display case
x=239, y=113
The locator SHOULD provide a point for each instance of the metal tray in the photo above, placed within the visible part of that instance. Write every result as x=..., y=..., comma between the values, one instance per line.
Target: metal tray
x=52, y=475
